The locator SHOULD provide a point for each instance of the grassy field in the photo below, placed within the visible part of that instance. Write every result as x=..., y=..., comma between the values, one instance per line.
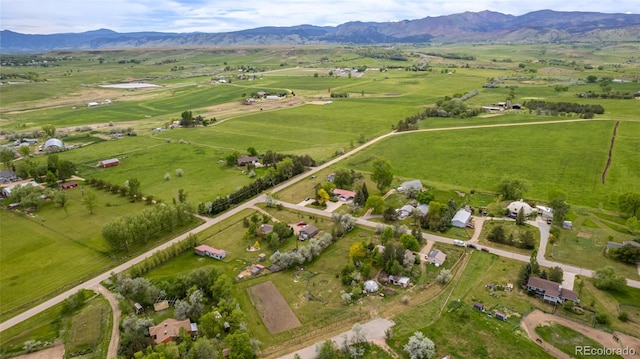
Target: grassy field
x=57, y=248
x=566, y=339
x=90, y=330
x=543, y=155
x=44, y=327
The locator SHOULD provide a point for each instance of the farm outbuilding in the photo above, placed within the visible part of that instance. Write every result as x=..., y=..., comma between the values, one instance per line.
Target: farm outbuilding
x=68, y=185
x=478, y=306
x=53, y=145
x=410, y=185
x=206, y=251
x=461, y=218
x=501, y=316
x=109, y=163
x=244, y=160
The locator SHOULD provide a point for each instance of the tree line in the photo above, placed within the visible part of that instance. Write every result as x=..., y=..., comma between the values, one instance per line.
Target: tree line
x=136, y=228
x=587, y=111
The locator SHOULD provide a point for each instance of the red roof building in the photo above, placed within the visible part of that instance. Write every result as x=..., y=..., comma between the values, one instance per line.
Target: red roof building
x=109, y=163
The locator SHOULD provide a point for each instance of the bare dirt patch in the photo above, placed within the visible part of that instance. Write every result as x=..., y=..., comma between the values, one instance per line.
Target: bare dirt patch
x=584, y=235
x=275, y=312
x=56, y=352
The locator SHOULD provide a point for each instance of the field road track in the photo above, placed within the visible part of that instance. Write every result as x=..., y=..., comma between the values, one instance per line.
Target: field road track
x=112, y=353
x=537, y=318
x=544, y=229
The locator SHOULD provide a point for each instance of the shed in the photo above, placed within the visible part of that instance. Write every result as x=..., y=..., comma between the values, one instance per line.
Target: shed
x=161, y=305
x=227, y=326
x=461, y=218
x=567, y=225
x=501, y=316
x=266, y=228
x=371, y=286
x=68, y=185
x=109, y=163
x=139, y=308
x=307, y=232
x=262, y=257
x=478, y=306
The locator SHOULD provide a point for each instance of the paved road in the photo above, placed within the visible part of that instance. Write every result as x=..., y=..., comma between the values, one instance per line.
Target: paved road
x=374, y=329
x=544, y=230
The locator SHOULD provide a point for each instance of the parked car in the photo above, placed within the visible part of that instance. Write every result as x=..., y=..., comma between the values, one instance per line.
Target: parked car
x=549, y=220
x=472, y=246
x=485, y=250
x=302, y=223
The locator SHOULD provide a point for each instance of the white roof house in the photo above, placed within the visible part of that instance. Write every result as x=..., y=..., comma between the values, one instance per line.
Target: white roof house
x=6, y=191
x=371, y=286
x=461, y=218
x=545, y=212
x=404, y=186
x=514, y=208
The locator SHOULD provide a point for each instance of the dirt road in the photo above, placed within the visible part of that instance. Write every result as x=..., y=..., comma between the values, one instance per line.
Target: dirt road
x=112, y=352
x=538, y=318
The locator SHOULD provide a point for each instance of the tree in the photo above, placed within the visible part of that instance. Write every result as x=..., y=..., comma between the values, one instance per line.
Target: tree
x=6, y=156
x=606, y=278
x=60, y=198
x=252, y=151
x=424, y=197
x=382, y=173
x=322, y=197
x=444, y=277
x=240, y=345
x=520, y=217
x=627, y=253
x=49, y=130
x=420, y=347
x=630, y=203
x=558, y=202
x=186, y=119
x=203, y=348
x=512, y=188
x=182, y=196
x=343, y=178
x=134, y=188
x=497, y=234
x=66, y=169
x=357, y=251
x=362, y=195
x=89, y=201
x=410, y=242
x=555, y=274
x=376, y=203
x=25, y=151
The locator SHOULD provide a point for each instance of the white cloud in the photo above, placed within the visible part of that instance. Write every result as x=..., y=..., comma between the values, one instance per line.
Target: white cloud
x=48, y=16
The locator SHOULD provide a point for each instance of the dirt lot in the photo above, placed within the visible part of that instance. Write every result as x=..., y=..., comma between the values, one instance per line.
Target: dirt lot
x=57, y=352
x=274, y=310
x=537, y=318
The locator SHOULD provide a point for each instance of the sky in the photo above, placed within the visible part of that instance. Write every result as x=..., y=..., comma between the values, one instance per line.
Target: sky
x=56, y=16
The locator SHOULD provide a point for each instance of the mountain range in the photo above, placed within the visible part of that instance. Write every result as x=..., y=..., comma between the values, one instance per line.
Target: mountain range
x=542, y=26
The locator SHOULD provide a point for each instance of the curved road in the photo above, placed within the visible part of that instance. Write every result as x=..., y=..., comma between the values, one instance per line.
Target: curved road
x=544, y=229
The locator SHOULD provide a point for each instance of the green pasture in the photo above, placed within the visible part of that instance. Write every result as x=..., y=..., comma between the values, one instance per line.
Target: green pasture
x=483, y=336
x=90, y=329
x=585, y=244
x=566, y=339
x=44, y=327
x=51, y=250
x=611, y=303
x=567, y=156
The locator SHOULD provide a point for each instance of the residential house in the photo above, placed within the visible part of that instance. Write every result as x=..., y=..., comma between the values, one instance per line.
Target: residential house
x=545, y=212
x=266, y=229
x=245, y=160
x=409, y=185
x=307, y=232
x=551, y=291
x=461, y=218
x=344, y=195
x=8, y=176
x=424, y=209
x=6, y=191
x=168, y=330
x=620, y=245
x=204, y=250
x=109, y=163
x=436, y=258
x=405, y=211
x=514, y=208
